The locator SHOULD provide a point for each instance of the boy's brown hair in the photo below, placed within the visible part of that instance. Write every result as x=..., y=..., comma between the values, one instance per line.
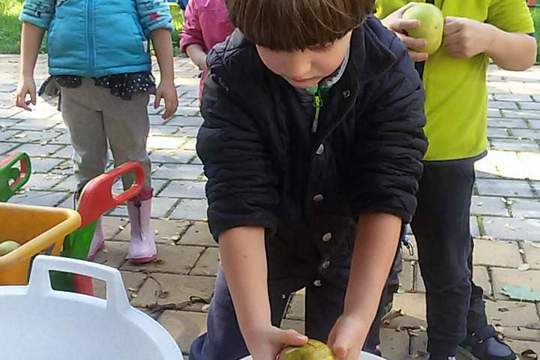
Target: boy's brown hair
x=297, y=24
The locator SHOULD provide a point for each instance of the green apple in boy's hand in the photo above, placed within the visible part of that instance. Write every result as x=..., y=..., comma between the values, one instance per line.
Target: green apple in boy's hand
x=431, y=25
x=8, y=246
x=312, y=350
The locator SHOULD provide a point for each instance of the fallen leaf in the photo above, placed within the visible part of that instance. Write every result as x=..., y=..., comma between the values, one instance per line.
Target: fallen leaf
x=524, y=267
x=520, y=293
x=510, y=227
x=529, y=355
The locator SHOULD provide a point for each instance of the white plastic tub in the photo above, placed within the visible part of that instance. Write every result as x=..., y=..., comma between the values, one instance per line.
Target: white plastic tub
x=37, y=322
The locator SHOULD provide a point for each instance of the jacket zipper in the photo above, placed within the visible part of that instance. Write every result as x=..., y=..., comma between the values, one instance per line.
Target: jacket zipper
x=90, y=33
x=317, y=104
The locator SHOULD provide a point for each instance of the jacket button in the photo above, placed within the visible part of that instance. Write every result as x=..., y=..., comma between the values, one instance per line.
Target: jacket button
x=317, y=283
x=346, y=94
x=325, y=265
x=318, y=198
x=327, y=237
x=320, y=150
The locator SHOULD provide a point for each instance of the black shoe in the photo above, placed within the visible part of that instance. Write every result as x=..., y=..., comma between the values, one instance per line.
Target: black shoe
x=485, y=344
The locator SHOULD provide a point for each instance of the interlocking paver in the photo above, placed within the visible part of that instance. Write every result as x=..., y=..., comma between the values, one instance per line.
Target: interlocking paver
x=497, y=253
x=495, y=187
x=507, y=123
x=489, y=205
x=172, y=156
x=190, y=209
x=495, y=132
x=207, y=263
x=525, y=208
x=503, y=105
x=520, y=333
x=510, y=313
x=165, y=231
x=178, y=172
x=522, y=114
x=512, y=97
x=171, y=259
x=480, y=278
x=7, y=147
x=529, y=106
x=532, y=254
x=198, y=234
x=39, y=198
x=512, y=228
x=513, y=277
x=184, y=189
x=173, y=288
x=526, y=134
x=184, y=326
x=185, y=121
x=514, y=145
x=44, y=181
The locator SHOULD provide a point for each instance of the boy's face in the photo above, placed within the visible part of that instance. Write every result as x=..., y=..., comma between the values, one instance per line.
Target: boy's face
x=305, y=68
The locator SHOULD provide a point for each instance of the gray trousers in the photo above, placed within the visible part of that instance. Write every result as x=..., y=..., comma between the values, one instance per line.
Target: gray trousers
x=97, y=120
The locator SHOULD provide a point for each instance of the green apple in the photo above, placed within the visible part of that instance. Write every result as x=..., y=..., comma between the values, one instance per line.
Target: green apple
x=431, y=25
x=8, y=246
x=312, y=350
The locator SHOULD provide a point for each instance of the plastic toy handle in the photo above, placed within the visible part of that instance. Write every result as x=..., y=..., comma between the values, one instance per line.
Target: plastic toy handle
x=40, y=284
x=97, y=196
x=138, y=184
x=19, y=176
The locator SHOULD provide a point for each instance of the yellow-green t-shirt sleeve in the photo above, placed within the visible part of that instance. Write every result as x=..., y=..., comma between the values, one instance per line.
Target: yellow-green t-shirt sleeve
x=510, y=16
x=383, y=8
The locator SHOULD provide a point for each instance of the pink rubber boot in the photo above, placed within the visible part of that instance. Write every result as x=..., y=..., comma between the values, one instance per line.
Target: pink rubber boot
x=98, y=239
x=98, y=242
x=142, y=246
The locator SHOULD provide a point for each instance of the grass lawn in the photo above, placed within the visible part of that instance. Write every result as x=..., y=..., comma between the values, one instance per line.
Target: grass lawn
x=11, y=27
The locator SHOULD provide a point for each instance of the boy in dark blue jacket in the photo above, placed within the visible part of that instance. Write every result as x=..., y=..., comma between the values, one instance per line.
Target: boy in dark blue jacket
x=312, y=144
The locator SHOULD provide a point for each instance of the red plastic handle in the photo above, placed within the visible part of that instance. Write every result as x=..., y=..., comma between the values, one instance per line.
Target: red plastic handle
x=97, y=196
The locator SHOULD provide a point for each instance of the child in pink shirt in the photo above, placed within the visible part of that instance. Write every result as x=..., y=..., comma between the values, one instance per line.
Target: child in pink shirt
x=206, y=23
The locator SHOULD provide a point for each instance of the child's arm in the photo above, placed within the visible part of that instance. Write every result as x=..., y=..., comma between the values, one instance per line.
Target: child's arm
x=161, y=38
x=191, y=39
x=31, y=37
x=197, y=55
x=384, y=172
x=374, y=250
x=465, y=38
x=243, y=258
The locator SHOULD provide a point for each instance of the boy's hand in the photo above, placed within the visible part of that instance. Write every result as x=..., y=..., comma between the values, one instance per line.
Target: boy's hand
x=167, y=92
x=465, y=38
x=267, y=342
x=347, y=337
x=395, y=23
x=26, y=87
